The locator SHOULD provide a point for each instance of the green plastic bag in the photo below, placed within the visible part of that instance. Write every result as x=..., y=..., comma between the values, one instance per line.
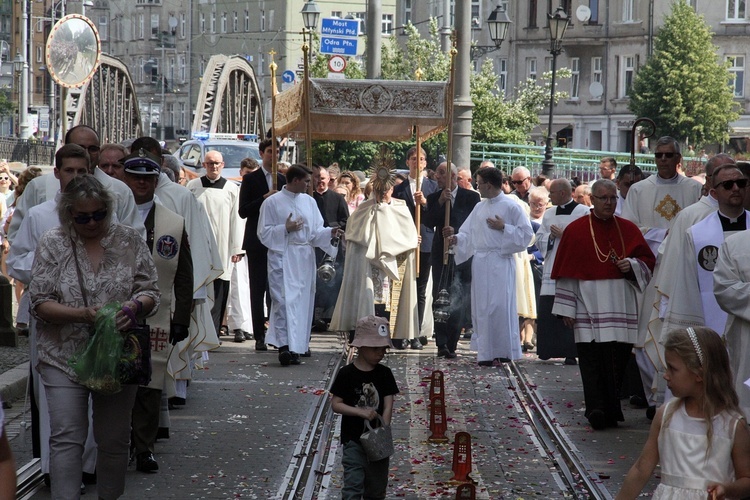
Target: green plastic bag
x=97, y=364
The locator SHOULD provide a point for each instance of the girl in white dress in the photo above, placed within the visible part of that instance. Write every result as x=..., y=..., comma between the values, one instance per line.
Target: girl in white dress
x=700, y=437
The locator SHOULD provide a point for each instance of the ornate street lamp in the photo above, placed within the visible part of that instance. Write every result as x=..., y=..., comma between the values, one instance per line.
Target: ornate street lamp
x=498, y=24
x=310, y=14
x=558, y=23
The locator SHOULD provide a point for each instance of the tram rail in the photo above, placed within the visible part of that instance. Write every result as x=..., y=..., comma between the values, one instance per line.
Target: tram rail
x=570, y=468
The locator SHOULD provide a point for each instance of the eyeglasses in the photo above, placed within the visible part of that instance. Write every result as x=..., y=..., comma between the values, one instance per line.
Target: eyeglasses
x=741, y=183
x=518, y=183
x=664, y=155
x=4, y=178
x=97, y=216
x=605, y=199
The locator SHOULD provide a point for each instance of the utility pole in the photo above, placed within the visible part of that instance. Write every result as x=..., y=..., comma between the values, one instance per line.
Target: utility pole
x=445, y=31
x=374, y=38
x=462, y=100
x=163, y=72
x=23, y=104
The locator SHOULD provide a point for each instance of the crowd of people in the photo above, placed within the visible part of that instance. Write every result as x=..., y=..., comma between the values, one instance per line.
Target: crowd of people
x=597, y=274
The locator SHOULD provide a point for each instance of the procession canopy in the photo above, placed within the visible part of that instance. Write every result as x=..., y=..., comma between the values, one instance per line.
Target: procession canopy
x=365, y=110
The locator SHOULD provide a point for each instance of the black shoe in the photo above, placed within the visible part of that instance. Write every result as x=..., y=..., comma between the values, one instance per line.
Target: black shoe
x=485, y=363
x=450, y=355
x=285, y=358
x=306, y=354
x=443, y=352
x=319, y=326
x=260, y=345
x=162, y=433
x=239, y=337
x=598, y=420
x=423, y=340
x=571, y=361
x=527, y=346
x=295, y=359
x=637, y=401
x=176, y=401
x=88, y=478
x=247, y=335
x=415, y=344
x=145, y=462
x=224, y=331
x=650, y=412
x=468, y=333
x=399, y=344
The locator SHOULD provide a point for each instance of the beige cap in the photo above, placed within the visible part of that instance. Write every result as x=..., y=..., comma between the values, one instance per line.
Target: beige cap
x=372, y=331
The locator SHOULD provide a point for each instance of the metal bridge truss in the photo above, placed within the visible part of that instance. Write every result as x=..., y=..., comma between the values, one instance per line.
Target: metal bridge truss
x=107, y=103
x=229, y=99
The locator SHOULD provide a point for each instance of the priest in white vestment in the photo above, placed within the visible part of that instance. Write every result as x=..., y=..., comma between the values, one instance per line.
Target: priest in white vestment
x=652, y=205
x=291, y=227
x=496, y=229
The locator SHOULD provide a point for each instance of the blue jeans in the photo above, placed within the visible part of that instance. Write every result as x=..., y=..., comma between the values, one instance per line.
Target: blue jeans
x=363, y=479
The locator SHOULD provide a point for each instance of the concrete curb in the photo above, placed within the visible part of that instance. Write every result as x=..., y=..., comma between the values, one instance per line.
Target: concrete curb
x=13, y=382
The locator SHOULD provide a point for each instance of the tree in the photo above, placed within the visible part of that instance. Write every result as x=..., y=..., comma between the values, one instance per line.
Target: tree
x=683, y=87
x=7, y=107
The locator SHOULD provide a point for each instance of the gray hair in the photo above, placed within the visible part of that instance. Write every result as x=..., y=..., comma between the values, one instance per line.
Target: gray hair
x=454, y=169
x=486, y=163
x=521, y=170
x=172, y=165
x=117, y=147
x=603, y=184
x=669, y=141
x=539, y=192
x=82, y=188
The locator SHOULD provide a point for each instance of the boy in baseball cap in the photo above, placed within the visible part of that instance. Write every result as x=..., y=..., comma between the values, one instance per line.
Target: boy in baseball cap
x=361, y=391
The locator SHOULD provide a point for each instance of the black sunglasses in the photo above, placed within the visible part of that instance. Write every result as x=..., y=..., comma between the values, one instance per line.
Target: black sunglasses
x=741, y=183
x=518, y=183
x=664, y=155
x=99, y=215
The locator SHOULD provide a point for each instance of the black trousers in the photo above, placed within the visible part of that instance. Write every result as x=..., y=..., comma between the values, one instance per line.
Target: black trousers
x=221, y=295
x=602, y=366
x=458, y=285
x=258, y=271
x=424, y=276
x=146, y=419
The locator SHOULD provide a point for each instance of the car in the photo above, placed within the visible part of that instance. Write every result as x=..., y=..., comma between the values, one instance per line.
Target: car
x=233, y=147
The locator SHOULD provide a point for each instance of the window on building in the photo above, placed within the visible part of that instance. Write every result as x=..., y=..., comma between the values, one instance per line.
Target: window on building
x=407, y=11
x=628, y=10
x=627, y=73
x=183, y=115
x=502, y=71
x=213, y=22
x=736, y=10
x=548, y=64
x=202, y=22
x=737, y=74
x=182, y=68
x=171, y=71
x=575, y=77
x=336, y=13
x=386, y=25
x=594, y=7
x=183, y=24
x=531, y=68
x=141, y=26
x=154, y=25
x=139, y=70
x=154, y=71
x=39, y=54
x=263, y=20
x=202, y=66
x=235, y=22
x=532, y=14
x=476, y=14
x=596, y=69
x=247, y=21
x=223, y=22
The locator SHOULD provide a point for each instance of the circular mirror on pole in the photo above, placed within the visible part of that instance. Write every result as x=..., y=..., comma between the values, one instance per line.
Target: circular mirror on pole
x=73, y=51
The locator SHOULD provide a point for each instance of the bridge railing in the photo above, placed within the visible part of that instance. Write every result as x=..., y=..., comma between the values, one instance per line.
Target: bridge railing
x=27, y=151
x=569, y=163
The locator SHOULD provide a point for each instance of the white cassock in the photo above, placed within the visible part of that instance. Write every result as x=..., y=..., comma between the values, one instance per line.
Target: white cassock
x=493, y=270
x=40, y=219
x=291, y=265
x=525, y=291
x=652, y=205
x=732, y=288
x=693, y=302
x=45, y=188
x=222, y=206
x=207, y=266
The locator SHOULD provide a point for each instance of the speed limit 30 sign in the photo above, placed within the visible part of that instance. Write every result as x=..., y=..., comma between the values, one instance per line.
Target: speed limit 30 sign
x=336, y=64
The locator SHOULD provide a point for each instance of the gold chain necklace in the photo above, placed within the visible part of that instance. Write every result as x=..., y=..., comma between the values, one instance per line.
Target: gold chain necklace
x=611, y=255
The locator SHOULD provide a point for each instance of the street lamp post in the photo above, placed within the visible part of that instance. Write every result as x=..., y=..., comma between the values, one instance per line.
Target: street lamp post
x=558, y=23
x=21, y=67
x=498, y=24
x=310, y=14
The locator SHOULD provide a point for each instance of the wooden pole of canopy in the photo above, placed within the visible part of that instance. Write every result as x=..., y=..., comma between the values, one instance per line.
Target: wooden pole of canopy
x=274, y=146
x=449, y=156
x=418, y=208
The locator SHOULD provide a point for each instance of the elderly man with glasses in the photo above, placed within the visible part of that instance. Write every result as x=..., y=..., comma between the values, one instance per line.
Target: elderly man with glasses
x=520, y=180
x=652, y=205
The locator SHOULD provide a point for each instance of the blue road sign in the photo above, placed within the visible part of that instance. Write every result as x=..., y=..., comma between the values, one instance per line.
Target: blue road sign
x=287, y=76
x=332, y=26
x=341, y=46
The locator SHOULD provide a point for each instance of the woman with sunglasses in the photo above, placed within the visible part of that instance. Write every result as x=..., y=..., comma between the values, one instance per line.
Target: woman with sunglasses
x=85, y=263
x=8, y=182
